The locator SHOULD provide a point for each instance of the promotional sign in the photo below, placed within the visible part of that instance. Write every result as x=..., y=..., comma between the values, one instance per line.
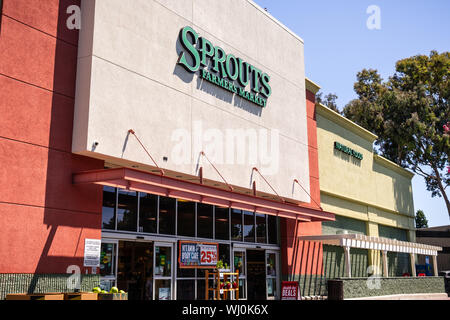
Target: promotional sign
x=92, y=252
x=289, y=290
x=197, y=254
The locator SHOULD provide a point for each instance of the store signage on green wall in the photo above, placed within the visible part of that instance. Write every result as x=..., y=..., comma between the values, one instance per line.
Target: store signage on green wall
x=348, y=150
x=226, y=71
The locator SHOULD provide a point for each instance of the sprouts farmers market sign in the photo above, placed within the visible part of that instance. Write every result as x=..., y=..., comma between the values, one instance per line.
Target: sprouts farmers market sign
x=226, y=70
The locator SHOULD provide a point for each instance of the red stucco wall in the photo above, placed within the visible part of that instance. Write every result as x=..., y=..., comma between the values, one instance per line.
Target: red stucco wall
x=298, y=257
x=44, y=218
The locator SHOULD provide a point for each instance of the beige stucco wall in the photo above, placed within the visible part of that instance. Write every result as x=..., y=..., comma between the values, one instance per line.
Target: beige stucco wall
x=128, y=78
x=374, y=189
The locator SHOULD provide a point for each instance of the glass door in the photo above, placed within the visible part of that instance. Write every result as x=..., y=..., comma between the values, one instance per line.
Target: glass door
x=163, y=271
x=239, y=263
x=272, y=272
x=108, y=264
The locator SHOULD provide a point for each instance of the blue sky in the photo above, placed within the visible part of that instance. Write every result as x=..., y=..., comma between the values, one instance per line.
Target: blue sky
x=338, y=44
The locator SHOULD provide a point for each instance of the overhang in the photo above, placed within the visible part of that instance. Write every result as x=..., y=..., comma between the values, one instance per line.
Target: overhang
x=131, y=179
x=374, y=243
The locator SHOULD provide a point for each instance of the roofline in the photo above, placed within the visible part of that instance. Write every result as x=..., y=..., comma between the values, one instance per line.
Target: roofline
x=275, y=20
x=311, y=86
x=393, y=166
x=348, y=124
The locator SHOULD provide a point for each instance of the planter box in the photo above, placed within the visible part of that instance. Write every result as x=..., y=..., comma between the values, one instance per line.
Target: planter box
x=113, y=296
x=81, y=296
x=36, y=296
x=18, y=296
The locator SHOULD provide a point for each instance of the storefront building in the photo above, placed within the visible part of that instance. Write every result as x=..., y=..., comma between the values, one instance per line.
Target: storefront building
x=154, y=126
x=163, y=126
x=369, y=195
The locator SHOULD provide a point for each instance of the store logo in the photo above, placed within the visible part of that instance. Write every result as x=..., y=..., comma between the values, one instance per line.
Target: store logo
x=348, y=151
x=226, y=71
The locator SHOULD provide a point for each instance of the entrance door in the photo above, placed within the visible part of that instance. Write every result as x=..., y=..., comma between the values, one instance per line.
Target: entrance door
x=272, y=273
x=135, y=269
x=163, y=271
x=256, y=275
x=239, y=265
x=108, y=264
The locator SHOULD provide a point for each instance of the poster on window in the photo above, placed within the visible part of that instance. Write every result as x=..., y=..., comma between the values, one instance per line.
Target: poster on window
x=197, y=254
x=164, y=293
x=92, y=253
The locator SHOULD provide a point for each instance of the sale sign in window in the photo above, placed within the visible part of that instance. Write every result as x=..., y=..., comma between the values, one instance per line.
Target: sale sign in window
x=197, y=254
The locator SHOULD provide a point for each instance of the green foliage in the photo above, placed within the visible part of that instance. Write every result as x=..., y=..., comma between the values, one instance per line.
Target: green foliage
x=421, y=220
x=328, y=100
x=409, y=112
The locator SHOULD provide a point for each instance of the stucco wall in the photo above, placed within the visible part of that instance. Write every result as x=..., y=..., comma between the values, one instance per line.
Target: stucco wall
x=372, y=189
x=45, y=218
x=128, y=78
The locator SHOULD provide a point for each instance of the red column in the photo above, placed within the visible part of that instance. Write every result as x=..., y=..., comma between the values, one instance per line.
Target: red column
x=45, y=219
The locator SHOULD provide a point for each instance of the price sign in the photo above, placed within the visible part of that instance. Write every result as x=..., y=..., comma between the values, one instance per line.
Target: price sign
x=208, y=255
x=197, y=254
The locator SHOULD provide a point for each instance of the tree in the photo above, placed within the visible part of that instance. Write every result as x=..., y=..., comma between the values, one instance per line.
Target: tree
x=409, y=113
x=329, y=101
x=421, y=220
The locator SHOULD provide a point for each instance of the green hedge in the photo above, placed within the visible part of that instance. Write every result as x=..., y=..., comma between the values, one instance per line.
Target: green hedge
x=358, y=288
x=42, y=283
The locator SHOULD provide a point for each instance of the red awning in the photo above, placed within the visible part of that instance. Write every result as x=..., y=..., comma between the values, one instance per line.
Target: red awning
x=136, y=180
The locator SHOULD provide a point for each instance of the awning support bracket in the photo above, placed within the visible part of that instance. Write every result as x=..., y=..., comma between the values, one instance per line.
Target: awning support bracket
x=256, y=169
x=202, y=153
x=145, y=149
x=296, y=181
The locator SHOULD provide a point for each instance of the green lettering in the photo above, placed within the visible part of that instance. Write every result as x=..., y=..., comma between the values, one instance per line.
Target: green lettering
x=244, y=77
x=207, y=50
x=256, y=74
x=190, y=47
x=232, y=60
x=266, y=89
x=219, y=60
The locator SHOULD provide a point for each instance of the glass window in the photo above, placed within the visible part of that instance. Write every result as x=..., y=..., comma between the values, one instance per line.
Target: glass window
x=201, y=289
x=107, y=259
x=127, y=210
x=272, y=229
x=205, y=220
x=163, y=263
x=222, y=223
x=236, y=225
x=249, y=226
x=239, y=262
x=167, y=215
x=224, y=254
x=186, y=218
x=261, y=228
x=242, y=289
x=271, y=265
x=109, y=208
x=148, y=207
x=162, y=290
x=271, y=287
x=186, y=289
